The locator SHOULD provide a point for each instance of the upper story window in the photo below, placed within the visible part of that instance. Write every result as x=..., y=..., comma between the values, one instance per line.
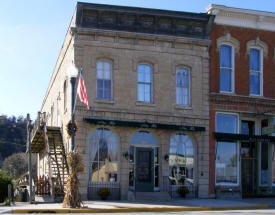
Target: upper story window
x=104, y=80
x=226, y=69
x=256, y=72
x=183, y=86
x=227, y=123
x=65, y=94
x=144, y=88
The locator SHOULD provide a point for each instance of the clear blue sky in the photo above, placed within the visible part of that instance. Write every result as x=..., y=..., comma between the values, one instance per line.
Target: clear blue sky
x=32, y=33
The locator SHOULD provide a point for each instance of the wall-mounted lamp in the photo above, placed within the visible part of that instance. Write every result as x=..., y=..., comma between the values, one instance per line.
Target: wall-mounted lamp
x=125, y=155
x=166, y=157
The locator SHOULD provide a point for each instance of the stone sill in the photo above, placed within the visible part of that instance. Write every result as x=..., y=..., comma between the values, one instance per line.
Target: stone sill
x=110, y=102
x=145, y=104
x=181, y=107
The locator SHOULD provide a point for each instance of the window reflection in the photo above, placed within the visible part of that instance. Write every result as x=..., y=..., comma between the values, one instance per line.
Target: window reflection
x=103, y=156
x=181, y=160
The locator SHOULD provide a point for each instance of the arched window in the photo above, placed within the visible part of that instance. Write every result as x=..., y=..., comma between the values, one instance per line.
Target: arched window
x=181, y=160
x=144, y=88
x=183, y=86
x=104, y=80
x=103, y=156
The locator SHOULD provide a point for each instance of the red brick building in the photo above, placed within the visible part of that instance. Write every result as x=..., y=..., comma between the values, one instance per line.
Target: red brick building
x=242, y=103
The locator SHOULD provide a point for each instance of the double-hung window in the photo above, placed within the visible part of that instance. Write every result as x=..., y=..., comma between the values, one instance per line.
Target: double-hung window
x=183, y=86
x=256, y=72
x=227, y=162
x=226, y=69
x=144, y=91
x=104, y=80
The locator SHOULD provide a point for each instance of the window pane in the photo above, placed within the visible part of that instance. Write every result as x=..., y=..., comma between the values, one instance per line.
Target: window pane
x=186, y=78
x=179, y=95
x=100, y=74
x=107, y=74
x=148, y=74
x=179, y=78
x=107, y=90
x=100, y=89
x=140, y=76
x=264, y=164
x=141, y=92
x=254, y=59
x=226, y=123
x=103, y=149
x=255, y=83
x=99, y=66
x=147, y=93
x=226, y=162
x=225, y=56
x=94, y=172
x=225, y=80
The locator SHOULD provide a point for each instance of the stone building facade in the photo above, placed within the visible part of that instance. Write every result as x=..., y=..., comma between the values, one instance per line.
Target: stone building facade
x=147, y=78
x=242, y=102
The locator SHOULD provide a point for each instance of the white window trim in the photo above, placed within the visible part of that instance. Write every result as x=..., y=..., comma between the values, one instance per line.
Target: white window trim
x=151, y=84
x=189, y=88
x=232, y=69
x=261, y=72
x=238, y=152
x=111, y=63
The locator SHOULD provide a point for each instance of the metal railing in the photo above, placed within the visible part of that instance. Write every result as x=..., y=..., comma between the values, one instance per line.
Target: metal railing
x=38, y=123
x=94, y=187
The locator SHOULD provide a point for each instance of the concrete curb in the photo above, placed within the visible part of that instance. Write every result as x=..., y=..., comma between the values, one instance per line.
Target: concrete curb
x=131, y=210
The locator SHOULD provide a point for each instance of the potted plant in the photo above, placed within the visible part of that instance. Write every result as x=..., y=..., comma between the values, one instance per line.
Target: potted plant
x=104, y=193
x=182, y=191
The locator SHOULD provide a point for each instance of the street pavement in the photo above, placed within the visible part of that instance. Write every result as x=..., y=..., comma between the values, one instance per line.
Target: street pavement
x=169, y=207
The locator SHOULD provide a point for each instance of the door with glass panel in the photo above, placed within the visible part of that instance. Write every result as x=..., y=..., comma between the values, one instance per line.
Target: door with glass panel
x=248, y=161
x=144, y=179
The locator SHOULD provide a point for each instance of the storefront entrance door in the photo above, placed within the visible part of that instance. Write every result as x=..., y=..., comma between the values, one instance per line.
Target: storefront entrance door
x=144, y=180
x=248, y=169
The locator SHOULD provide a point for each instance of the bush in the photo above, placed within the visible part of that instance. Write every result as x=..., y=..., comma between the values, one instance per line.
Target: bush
x=104, y=193
x=182, y=191
x=5, y=179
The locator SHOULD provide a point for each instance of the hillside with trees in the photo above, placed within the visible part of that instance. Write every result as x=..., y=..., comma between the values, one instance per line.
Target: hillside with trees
x=13, y=136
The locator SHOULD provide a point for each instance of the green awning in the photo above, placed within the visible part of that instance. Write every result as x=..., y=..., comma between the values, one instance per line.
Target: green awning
x=143, y=125
x=243, y=137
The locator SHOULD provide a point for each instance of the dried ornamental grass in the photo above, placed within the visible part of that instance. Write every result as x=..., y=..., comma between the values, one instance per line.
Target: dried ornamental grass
x=72, y=198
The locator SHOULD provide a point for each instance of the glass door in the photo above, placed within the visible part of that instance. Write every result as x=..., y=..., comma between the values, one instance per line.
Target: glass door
x=144, y=180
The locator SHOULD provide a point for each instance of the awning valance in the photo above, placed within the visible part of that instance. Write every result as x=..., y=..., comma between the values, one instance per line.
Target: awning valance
x=243, y=137
x=143, y=125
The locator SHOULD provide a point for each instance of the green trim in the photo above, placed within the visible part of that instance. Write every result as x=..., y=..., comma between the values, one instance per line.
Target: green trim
x=243, y=137
x=143, y=125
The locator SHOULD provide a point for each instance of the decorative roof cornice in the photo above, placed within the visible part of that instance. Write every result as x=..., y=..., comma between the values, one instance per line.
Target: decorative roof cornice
x=143, y=20
x=238, y=17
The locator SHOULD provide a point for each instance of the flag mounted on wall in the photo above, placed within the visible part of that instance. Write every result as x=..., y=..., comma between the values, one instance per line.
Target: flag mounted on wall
x=81, y=91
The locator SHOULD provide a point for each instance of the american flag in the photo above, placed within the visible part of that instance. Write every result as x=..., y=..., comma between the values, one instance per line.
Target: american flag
x=81, y=91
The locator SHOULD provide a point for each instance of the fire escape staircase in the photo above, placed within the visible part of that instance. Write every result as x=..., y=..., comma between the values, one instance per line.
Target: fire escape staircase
x=48, y=141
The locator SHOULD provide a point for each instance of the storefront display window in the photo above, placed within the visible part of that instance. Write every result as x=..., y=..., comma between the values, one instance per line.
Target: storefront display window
x=227, y=163
x=181, y=160
x=103, y=156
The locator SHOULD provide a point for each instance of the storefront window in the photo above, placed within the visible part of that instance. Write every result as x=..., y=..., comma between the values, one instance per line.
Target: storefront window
x=181, y=160
x=227, y=163
x=103, y=156
x=264, y=164
x=227, y=123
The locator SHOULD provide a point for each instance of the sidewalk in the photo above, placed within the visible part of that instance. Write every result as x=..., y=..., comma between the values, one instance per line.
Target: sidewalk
x=126, y=206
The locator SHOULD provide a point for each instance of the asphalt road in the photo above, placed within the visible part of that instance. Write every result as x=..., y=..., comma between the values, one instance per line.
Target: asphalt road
x=233, y=212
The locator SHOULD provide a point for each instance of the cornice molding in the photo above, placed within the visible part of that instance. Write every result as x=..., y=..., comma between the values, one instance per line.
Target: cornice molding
x=242, y=17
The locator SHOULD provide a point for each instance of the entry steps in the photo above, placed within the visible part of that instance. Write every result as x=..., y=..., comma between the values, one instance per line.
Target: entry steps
x=152, y=196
